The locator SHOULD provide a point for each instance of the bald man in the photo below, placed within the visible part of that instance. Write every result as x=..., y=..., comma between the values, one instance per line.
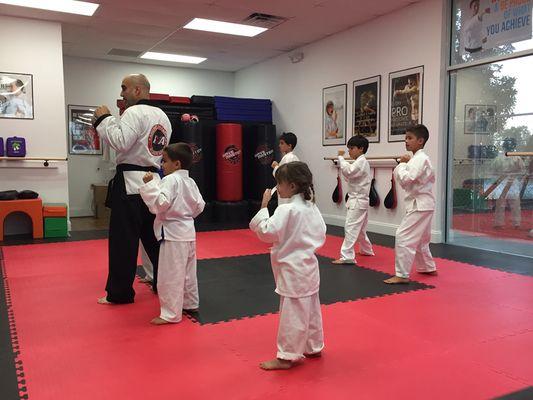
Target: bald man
x=138, y=139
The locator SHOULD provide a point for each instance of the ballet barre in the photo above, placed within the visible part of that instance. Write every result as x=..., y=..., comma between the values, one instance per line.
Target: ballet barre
x=46, y=160
x=395, y=158
x=519, y=153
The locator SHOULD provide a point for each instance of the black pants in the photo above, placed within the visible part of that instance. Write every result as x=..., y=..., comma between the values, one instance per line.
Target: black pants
x=130, y=221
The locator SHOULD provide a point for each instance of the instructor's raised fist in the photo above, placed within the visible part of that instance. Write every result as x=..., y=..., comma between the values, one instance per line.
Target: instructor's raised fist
x=102, y=110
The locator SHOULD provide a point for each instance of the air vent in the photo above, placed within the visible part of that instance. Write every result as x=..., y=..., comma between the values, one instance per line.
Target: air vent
x=124, y=53
x=264, y=20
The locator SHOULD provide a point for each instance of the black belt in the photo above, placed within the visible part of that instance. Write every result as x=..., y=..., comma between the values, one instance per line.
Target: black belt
x=116, y=189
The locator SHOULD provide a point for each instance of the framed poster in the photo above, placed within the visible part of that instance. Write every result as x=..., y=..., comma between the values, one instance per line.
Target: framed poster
x=406, y=90
x=82, y=137
x=480, y=119
x=334, y=115
x=366, y=107
x=16, y=95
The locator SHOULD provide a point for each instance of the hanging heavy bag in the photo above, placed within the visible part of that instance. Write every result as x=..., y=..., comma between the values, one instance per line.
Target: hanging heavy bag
x=337, y=193
x=390, y=200
x=373, y=197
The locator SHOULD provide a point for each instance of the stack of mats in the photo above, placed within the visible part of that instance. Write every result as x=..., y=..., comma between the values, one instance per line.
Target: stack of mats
x=175, y=106
x=233, y=109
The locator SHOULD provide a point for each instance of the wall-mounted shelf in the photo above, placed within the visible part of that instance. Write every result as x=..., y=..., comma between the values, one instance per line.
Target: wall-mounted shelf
x=45, y=160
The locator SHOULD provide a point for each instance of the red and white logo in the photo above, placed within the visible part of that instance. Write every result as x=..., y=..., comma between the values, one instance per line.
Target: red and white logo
x=197, y=153
x=232, y=154
x=157, y=140
x=264, y=154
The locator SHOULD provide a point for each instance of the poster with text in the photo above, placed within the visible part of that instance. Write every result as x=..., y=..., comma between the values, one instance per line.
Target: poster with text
x=83, y=138
x=16, y=95
x=334, y=115
x=486, y=24
x=366, y=107
x=405, y=101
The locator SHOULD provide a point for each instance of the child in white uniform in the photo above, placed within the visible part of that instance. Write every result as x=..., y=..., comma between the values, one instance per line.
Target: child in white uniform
x=175, y=200
x=357, y=174
x=415, y=175
x=296, y=231
x=287, y=143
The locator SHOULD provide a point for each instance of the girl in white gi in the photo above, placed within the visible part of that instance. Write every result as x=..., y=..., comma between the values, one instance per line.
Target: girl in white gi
x=296, y=231
x=357, y=174
x=415, y=175
x=175, y=200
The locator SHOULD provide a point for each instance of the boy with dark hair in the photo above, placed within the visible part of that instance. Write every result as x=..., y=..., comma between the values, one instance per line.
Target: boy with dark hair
x=358, y=177
x=415, y=175
x=176, y=201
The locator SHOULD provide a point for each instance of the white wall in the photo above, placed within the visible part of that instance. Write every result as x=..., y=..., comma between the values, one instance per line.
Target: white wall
x=407, y=38
x=94, y=82
x=34, y=47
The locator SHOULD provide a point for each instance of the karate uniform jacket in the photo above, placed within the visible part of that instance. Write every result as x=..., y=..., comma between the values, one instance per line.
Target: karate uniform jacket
x=358, y=178
x=416, y=177
x=287, y=158
x=176, y=201
x=138, y=137
x=296, y=230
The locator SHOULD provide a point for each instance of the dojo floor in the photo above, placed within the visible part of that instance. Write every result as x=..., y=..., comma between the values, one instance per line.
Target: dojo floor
x=465, y=334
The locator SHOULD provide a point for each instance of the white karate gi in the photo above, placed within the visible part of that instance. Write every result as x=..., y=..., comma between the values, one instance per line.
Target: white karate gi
x=358, y=178
x=287, y=158
x=296, y=230
x=175, y=200
x=414, y=233
x=514, y=170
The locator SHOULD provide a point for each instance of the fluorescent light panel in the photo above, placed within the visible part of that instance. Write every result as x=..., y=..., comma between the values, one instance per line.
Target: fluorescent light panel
x=65, y=6
x=229, y=28
x=150, y=55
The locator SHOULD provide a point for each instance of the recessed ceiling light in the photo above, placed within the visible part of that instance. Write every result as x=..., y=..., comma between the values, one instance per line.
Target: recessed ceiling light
x=229, y=28
x=173, y=57
x=66, y=6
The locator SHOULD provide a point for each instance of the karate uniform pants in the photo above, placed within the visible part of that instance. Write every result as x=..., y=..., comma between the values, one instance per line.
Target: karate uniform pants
x=412, y=244
x=499, y=213
x=355, y=232
x=130, y=221
x=177, y=285
x=147, y=264
x=300, y=327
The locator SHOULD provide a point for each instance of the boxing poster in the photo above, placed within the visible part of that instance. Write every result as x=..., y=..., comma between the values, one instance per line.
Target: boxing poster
x=334, y=115
x=405, y=101
x=366, y=107
x=83, y=138
x=16, y=95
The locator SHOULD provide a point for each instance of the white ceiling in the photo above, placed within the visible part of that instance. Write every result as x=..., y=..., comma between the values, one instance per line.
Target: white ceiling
x=156, y=25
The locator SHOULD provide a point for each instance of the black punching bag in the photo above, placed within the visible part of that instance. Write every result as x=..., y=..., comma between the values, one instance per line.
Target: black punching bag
x=260, y=151
x=200, y=136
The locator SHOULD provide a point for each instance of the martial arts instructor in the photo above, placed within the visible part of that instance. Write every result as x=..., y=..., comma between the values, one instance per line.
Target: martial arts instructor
x=138, y=138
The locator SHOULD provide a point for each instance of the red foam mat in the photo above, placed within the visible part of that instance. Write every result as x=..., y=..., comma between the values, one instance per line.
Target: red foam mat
x=470, y=337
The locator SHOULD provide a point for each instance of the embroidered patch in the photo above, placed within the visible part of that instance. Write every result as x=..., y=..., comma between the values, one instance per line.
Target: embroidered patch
x=157, y=140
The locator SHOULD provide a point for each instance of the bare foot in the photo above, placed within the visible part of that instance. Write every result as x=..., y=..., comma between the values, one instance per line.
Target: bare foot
x=396, y=280
x=276, y=363
x=103, y=300
x=313, y=355
x=433, y=273
x=159, y=321
x=343, y=262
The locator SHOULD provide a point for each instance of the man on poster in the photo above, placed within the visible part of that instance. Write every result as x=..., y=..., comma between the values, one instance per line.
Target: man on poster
x=412, y=92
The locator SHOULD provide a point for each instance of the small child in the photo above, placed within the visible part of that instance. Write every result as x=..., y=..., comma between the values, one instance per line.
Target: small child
x=296, y=230
x=358, y=176
x=175, y=200
x=415, y=175
x=287, y=143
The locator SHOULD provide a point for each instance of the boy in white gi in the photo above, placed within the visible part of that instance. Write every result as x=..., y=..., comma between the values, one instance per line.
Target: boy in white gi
x=357, y=174
x=296, y=231
x=415, y=175
x=175, y=200
x=287, y=143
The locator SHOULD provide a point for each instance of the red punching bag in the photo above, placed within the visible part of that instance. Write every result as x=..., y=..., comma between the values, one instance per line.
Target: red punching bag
x=229, y=162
